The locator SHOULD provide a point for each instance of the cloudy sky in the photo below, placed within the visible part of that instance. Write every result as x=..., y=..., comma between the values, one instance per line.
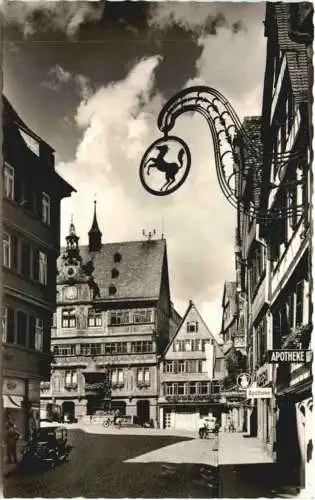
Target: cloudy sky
x=91, y=78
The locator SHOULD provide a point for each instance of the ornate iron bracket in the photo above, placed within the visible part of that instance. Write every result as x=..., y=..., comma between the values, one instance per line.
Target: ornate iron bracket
x=230, y=141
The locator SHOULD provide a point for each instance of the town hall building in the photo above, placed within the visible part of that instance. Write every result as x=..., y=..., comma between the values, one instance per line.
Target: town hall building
x=111, y=326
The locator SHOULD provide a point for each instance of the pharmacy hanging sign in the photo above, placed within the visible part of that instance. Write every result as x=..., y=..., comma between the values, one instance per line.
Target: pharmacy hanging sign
x=259, y=392
x=289, y=356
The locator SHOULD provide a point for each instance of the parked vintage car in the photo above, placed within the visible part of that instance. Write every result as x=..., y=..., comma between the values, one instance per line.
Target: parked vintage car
x=49, y=447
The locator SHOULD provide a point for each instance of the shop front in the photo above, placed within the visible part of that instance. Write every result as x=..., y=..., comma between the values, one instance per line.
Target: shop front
x=14, y=403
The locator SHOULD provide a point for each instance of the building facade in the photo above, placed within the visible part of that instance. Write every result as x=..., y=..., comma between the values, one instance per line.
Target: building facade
x=273, y=241
x=234, y=349
x=32, y=192
x=287, y=136
x=191, y=371
x=111, y=326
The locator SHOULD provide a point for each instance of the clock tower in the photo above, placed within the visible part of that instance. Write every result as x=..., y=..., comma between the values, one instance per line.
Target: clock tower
x=71, y=258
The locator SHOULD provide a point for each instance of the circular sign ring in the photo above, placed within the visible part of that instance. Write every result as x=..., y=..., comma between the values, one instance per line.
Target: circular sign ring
x=244, y=380
x=162, y=141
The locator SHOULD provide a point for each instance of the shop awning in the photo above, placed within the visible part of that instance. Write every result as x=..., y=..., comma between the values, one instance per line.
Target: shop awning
x=12, y=401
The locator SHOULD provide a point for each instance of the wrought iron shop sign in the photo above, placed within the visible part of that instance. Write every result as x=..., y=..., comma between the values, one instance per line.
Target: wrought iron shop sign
x=289, y=356
x=166, y=163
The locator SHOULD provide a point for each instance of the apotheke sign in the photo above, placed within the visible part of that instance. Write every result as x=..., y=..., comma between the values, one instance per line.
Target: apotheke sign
x=259, y=392
x=289, y=356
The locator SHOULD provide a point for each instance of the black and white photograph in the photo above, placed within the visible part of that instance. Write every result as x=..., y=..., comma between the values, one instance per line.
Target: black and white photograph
x=157, y=226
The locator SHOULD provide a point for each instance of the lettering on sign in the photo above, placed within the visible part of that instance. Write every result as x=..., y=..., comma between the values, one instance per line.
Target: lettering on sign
x=289, y=356
x=259, y=393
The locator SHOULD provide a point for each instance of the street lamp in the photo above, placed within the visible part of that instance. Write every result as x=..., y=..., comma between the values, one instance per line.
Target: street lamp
x=166, y=163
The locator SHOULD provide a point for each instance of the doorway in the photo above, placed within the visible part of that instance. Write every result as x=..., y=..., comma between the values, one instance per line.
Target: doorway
x=120, y=406
x=68, y=411
x=143, y=411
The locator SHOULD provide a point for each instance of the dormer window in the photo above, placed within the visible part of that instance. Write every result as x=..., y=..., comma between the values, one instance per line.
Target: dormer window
x=117, y=257
x=192, y=326
x=115, y=273
x=112, y=290
x=30, y=142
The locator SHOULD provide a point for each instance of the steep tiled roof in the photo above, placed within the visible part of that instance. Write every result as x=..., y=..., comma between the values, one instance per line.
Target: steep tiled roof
x=208, y=333
x=296, y=54
x=139, y=265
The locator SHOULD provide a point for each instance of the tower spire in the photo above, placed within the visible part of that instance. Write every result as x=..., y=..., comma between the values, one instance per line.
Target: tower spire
x=95, y=235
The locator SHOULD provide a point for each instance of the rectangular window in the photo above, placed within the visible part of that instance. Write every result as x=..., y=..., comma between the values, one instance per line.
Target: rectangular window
x=169, y=367
x=193, y=388
x=192, y=326
x=187, y=345
x=142, y=316
x=143, y=376
x=4, y=324
x=119, y=317
x=14, y=252
x=118, y=377
x=31, y=332
x=91, y=349
x=181, y=366
x=46, y=209
x=64, y=350
x=35, y=264
x=39, y=334
x=21, y=328
x=71, y=379
x=180, y=345
x=195, y=345
x=26, y=260
x=204, y=388
x=8, y=182
x=68, y=318
x=6, y=248
x=169, y=390
x=181, y=388
x=10, y=325
x=68, y=379
x=43, y=268
x=142, y=346
x=116, y=348
x=94, y=319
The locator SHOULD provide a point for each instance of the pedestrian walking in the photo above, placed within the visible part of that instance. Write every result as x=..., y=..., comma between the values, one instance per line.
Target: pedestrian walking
x=11, y=436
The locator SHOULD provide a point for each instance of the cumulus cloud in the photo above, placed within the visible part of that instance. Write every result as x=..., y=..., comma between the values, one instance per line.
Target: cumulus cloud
x=41, y=15
x=118, y=122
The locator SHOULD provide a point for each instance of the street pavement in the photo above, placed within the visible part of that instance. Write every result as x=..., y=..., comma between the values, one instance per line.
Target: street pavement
x=153, y=463
x=99, y=466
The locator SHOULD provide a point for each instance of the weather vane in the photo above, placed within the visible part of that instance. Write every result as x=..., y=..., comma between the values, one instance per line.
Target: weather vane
x=149, y=235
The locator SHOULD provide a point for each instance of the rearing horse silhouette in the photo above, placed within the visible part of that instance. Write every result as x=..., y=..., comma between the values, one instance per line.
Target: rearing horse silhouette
x=170, y=169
